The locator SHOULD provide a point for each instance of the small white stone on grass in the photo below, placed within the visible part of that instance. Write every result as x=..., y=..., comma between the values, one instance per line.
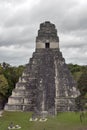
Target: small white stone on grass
x=43, y=119
x=14, y=127
x=35, y=119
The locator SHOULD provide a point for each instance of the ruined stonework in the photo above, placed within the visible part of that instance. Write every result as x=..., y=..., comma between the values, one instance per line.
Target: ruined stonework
x=46, y=84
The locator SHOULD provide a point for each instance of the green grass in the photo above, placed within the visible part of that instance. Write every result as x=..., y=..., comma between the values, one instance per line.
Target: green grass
x=63, y=121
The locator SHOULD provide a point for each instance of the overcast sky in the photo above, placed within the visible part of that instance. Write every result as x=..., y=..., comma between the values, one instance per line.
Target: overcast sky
x=20, y=20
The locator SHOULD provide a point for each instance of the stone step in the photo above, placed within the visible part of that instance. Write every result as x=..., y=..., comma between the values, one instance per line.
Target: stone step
x=18, y=107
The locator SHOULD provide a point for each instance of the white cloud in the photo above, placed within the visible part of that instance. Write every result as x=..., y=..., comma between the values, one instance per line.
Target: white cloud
x=15, y=54
x=19, y=23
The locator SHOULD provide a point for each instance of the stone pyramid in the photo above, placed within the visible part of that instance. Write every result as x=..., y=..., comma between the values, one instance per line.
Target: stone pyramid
x=46, y=84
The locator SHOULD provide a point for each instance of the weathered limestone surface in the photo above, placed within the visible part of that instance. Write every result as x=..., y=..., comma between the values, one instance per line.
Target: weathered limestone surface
x=46, y=85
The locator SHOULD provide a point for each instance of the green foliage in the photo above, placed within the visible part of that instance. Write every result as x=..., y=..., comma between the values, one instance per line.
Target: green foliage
x=3, y=85
x=80, y=75
x=5, y=65
x=8, y=78
x=1, y=70
x=85, y=96
x=3, y=88
x=12, y=75
x=82, y=83
x=76, y=70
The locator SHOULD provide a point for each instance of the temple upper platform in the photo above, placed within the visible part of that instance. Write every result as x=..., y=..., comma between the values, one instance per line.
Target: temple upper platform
x=47, y=36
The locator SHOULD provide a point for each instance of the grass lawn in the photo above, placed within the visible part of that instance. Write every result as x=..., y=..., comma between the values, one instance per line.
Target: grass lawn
x=63, y=121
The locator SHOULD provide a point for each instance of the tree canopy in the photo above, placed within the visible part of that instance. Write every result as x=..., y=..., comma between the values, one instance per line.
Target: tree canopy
x=9, y=76
x=82, y=83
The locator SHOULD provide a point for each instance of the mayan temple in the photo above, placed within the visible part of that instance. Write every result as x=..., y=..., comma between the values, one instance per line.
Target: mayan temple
x=46, y=84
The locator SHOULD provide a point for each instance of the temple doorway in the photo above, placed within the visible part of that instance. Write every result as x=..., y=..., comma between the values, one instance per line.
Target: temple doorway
x=47, y=45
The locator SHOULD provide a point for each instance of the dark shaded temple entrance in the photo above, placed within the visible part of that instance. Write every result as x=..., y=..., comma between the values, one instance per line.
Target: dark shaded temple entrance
x=47, y=45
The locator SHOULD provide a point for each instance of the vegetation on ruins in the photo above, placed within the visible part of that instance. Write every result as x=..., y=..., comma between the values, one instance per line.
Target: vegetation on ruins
x=9, y=76
x=80, y=75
